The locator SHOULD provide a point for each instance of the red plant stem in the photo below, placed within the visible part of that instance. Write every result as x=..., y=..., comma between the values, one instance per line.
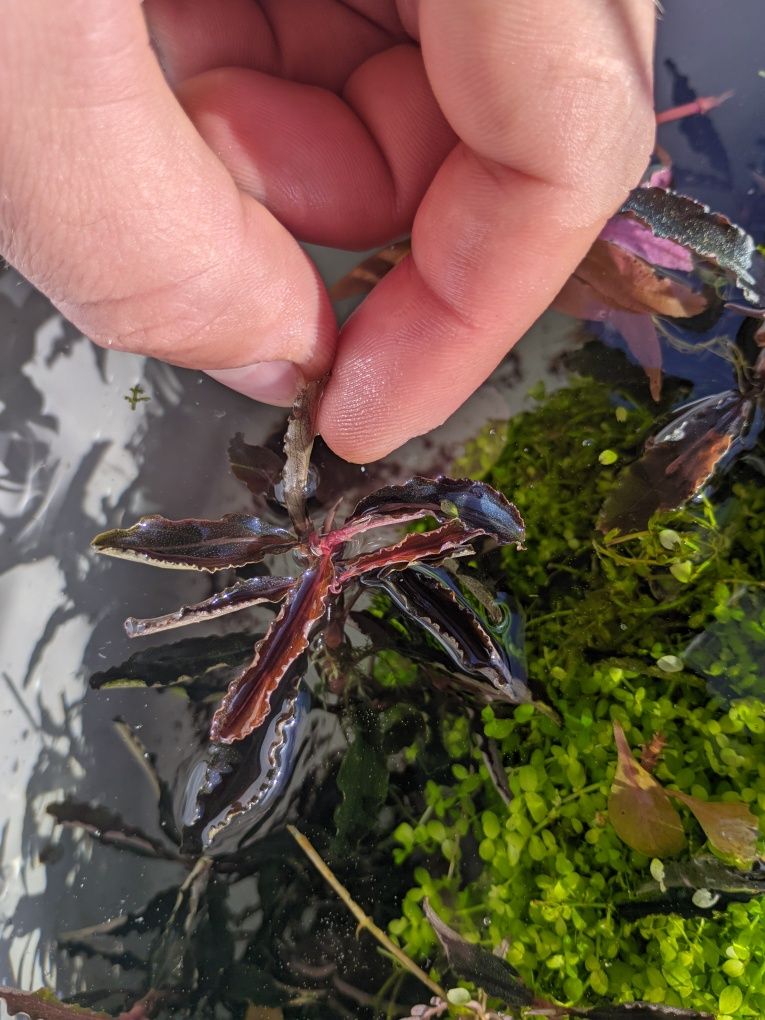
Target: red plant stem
x=699, y=106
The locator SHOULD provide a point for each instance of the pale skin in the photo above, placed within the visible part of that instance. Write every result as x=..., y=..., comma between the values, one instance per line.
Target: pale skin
x=157, y=202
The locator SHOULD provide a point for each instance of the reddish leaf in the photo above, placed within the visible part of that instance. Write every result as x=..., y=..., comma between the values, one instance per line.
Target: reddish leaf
x=426, y=545
x=367, y=274
x=232, y=541
x=679, y=460
x=43, y=1005
x=642, y=341
x=639, y=808
x=251, y=592
x=108, y=828
x=709, y=235
x=695, y=108
x=627, y=233
x=247, y=702
x=476, y=504
x=628, y=283
x=581, y=301
x=731, y=828
x=298, y=443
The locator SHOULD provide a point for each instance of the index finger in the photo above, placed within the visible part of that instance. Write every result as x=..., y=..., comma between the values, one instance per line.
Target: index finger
x=552, y=102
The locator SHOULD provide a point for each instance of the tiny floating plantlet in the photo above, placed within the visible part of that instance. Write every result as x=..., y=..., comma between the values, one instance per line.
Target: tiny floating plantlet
x=263, y=698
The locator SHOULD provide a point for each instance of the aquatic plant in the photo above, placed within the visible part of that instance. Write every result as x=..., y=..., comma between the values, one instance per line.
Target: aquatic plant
x=629, y=632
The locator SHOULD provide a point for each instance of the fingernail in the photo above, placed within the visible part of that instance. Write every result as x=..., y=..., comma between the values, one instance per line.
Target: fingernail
x=272, y=382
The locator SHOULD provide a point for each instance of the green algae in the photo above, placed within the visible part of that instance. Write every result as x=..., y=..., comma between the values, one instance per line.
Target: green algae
x=661, y=631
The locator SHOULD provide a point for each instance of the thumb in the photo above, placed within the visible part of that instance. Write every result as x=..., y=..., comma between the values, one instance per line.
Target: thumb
x=113, y=205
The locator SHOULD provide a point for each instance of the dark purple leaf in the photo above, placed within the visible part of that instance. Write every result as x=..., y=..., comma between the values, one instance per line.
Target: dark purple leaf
x=679, y=460
x=437, y=605
x=473, y=963
x=709, y=235
x=246, y=704
x=476, y=504
x=242, y=595
x=298, y=443
x=240, y=782
x=680, y=882
x=257, y=466
x=452, y=537
x=233, y=541
x=202, y=665
x=108, y=828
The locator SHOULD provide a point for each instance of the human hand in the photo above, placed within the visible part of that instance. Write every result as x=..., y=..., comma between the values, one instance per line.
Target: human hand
x=159, y=211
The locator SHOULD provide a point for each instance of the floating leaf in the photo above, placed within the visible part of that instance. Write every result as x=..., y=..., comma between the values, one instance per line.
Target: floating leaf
x=639, y=808
x=709, y=235
x=473, y=963
x=251, y=592
x=731, y=828
x=367, y=274
x=678, y=461
x=233, y=541
x=298, y=443
x=447, y=540
x=477, y=504
x=246, y=704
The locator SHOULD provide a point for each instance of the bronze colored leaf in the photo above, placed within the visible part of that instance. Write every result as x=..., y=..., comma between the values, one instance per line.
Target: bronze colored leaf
x=367, y=274
x=627, y=282
x=242, y=595
x=298, y=444
x=257, y=466
x=731, y=828
x=639, y=808
x=43, y=1005
x=246, y=704
x=678, y=461
x=233, y=541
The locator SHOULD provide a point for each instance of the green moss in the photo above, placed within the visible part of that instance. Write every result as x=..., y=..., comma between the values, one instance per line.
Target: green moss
x=662, y=631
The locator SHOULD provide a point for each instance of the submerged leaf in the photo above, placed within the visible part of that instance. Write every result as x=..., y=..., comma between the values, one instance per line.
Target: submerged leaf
x=251, y=592
x=679, y=460
x=298, y=443
x=477, y=505
x=473, y=963
x=108, y=828
x=233, y=541
x=682, y=880
x=434, y=602
x=43, y=1005
x=639, y=332
x=626, y=282
x=731, y=828
x=367, y=274
x=201, y=664
x=237, y=784
x=257, y=466
x=642, y=1011
x=639, y=808
x=709, y=235
x=246, y=704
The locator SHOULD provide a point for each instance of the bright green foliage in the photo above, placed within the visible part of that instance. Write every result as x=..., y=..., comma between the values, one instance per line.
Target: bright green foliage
x=624, y=629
